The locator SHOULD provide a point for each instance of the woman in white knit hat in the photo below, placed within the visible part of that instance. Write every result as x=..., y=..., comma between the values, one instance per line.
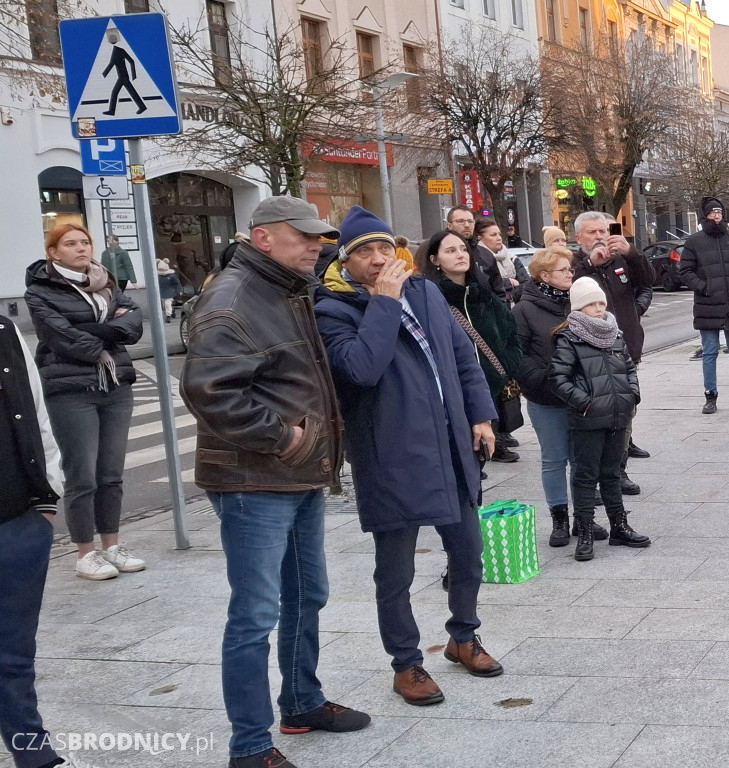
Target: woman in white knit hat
x=593, y=373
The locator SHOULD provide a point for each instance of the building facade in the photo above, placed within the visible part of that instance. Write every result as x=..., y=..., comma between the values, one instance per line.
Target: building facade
x=197, y=208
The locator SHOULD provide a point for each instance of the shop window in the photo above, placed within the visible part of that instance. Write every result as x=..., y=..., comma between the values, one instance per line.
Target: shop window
x=551, y=21
x=411, y=59
x=45, y=44
x=61, y=196
x=219, y=40
x=311, y=32
x=136, y=6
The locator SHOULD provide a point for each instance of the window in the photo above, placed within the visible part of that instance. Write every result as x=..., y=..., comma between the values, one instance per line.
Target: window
x=488, y=9
x=311, y=39
x=584, y=30
x=694, y=68
x=45, y=45
x=411, y=57
x=136, y=6
x=680, y=63
x=458, y=3
x=613, y=33
x=551, y=22
x=219, y=43
x=517, y=18
x=365, y=54
x=705, y=73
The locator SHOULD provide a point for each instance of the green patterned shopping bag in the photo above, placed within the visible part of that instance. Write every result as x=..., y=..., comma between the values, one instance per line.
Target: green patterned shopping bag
x=509, y=542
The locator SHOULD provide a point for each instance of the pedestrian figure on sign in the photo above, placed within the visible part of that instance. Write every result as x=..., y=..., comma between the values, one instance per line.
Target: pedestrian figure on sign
x=118, y=60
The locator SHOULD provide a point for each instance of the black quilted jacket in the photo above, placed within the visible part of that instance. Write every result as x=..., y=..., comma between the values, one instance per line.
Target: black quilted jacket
x=599, y=386
x=70, y=340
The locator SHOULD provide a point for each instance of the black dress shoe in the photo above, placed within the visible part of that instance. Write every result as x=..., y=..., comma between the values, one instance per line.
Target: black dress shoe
x=504, y=455
x=637, y=453
x=627, y=486
x=508, y=440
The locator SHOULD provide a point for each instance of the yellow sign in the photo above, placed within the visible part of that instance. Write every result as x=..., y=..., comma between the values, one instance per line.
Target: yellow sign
x=440, y=186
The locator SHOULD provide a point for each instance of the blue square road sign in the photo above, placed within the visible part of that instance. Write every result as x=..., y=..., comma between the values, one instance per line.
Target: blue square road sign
x=103, y=157
x=120, y=77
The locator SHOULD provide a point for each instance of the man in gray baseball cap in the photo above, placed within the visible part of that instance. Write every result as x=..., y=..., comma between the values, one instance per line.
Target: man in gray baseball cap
x=269, y=441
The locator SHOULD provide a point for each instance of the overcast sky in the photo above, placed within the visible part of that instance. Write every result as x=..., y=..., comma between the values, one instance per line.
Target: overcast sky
x=718, y=10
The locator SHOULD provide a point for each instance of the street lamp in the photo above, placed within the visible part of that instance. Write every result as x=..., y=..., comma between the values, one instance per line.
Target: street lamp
x=380, y=89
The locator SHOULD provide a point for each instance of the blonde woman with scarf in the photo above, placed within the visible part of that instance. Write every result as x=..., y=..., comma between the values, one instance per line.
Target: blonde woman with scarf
x=83, y=320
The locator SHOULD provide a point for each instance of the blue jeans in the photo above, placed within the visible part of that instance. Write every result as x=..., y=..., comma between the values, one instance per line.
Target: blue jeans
x=274, y=547
x=710, y=347
x=91, y=429
x=25, y=544
x=550, y=424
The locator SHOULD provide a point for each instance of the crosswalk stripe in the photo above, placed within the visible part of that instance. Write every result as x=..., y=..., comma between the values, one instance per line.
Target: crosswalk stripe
x=157, y=453
x=188, y=476
x=155, y=427
x=147, y=408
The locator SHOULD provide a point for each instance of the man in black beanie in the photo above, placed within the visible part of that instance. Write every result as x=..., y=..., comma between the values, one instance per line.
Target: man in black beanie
x=705, y=270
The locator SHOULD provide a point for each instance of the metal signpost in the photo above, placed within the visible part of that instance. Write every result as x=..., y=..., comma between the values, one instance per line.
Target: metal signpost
x=121, y=85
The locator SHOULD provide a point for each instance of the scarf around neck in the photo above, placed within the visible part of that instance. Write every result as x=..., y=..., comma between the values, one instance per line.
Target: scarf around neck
x=600, y=333
x=505, y=264
x=553, y=294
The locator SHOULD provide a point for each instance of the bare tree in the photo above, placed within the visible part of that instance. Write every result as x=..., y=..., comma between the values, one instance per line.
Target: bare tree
x=615, y=104
x=490, y=94
x=692, y=160
x=273, y=107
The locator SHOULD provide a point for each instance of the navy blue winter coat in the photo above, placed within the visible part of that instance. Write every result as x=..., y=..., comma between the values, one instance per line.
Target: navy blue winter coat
x=395, y=423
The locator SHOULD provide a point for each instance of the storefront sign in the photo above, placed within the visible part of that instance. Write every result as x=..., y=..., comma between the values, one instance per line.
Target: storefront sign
x=440, y=186
x=471, y=193
x=123, y=215
x=565, y=183
x=348, y=152
x=589, y=186
x=204, y=113
x=562, y=194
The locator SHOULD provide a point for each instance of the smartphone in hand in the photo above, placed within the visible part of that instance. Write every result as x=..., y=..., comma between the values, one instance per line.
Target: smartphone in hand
x=615, y=228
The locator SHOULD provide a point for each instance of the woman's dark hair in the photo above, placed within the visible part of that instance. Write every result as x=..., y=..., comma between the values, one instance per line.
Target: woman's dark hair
x=484, y=223
x=423, y=256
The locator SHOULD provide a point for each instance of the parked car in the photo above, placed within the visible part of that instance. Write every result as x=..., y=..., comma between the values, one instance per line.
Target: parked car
x=665, y=257
x=524, y=253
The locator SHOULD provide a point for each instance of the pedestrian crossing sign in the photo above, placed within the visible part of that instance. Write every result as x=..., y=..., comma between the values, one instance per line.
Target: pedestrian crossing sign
x=120, y=76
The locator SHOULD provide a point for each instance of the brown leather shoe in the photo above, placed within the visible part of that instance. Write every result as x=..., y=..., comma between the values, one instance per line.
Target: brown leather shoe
x=473, y=657
x=417, y=687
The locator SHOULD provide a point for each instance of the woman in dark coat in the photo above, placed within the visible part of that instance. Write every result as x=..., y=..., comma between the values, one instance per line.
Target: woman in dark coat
x=448, y=263
x=544, y=305
x=705, y=270
x=83, y=320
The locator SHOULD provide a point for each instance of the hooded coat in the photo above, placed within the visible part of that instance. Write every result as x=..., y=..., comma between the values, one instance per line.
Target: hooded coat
x=70, y=338
x=705, y=270
x=396, y=431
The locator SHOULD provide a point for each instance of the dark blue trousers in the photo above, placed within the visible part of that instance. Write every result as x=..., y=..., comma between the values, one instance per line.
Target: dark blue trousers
x=395, y=570
x=25, y=545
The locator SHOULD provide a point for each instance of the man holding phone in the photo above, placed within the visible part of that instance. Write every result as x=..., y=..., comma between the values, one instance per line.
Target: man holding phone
x=626, y=276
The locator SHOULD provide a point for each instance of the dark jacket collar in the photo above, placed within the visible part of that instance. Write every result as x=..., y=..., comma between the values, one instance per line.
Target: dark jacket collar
x=294, y=282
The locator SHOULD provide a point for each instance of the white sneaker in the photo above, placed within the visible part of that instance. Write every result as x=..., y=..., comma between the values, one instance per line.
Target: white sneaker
x=93, y=566
x=72, y=761
x=120, y=557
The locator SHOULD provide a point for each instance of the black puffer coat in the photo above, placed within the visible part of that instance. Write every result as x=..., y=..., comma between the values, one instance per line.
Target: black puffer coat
x=70, y=340
x=599, y=386
x=537, y=315
x=705, y=270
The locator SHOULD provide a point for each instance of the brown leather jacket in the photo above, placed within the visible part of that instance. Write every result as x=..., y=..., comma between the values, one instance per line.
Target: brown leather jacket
x=255, y=366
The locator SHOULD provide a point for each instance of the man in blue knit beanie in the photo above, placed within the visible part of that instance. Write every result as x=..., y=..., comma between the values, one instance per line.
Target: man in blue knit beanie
x=416, y=409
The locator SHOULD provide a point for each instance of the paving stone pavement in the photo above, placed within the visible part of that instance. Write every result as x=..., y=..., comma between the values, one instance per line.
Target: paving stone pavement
x=622, y=661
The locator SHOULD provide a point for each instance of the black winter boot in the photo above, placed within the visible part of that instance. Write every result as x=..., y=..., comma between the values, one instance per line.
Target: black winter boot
x=598, y=532
x=621, y=534
x=560, y=536
x=710, y=404
x=583, y=550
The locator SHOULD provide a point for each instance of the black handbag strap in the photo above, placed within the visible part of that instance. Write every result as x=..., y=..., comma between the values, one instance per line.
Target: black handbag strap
x=478, y=340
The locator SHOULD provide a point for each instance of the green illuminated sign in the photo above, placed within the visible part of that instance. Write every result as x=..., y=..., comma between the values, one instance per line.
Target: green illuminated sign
x=589, y=187
x=565, y=183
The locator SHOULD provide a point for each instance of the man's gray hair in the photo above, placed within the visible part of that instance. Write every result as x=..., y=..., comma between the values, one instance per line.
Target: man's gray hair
x=587, y=216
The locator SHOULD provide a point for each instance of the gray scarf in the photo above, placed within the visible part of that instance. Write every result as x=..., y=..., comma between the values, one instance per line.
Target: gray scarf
x=593, y=330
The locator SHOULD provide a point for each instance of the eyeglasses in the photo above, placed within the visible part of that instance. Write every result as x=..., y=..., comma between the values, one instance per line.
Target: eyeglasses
x=564, y=271
x=463, y=221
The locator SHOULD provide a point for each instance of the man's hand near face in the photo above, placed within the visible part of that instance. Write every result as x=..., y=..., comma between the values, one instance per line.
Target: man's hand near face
x=617, y=244
x=600, y=254
x=390, y=280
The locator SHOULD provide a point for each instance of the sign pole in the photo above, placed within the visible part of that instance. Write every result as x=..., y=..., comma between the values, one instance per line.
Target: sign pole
x=159, y=345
